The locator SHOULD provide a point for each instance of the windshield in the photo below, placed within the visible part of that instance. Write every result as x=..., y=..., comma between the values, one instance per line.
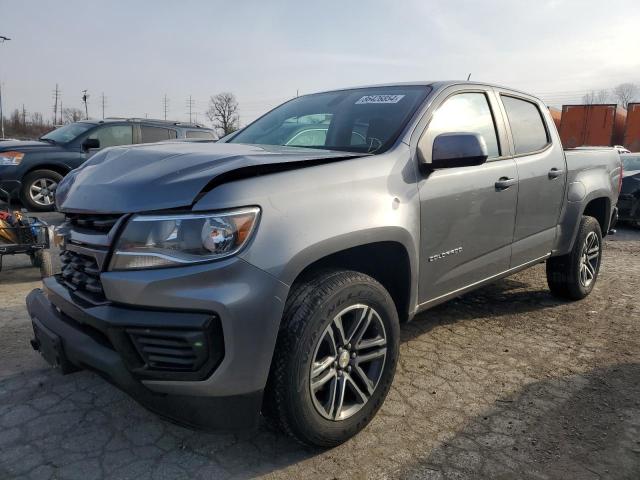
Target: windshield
x=68, y=132
x=631, y=162
x=366, y=120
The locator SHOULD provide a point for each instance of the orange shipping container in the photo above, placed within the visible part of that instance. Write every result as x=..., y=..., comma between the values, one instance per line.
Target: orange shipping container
x=592, y=125
x=556, y=115
x=632, y=129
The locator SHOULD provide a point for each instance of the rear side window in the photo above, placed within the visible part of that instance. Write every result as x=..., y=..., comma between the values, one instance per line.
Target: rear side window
x=469, y=113
x=157, y=134
x=200, y=134
x=527, y=126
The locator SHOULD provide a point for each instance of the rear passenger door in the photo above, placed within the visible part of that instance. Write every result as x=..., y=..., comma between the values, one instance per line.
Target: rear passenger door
x=542, y=173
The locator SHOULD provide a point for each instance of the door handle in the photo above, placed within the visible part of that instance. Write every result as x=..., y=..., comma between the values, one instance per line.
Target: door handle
x=505, y=182
x=555, y=173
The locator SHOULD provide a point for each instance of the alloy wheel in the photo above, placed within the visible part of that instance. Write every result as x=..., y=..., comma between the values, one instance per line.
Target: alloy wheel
x=348, y=362
x=42, y=191
x=589, y=259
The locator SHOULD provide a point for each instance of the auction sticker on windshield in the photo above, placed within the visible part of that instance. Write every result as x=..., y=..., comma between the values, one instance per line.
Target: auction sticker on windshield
x=380, y=99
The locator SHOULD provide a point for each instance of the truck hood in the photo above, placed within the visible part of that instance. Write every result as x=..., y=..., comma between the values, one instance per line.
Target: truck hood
x=169, y=175
x=27, y=145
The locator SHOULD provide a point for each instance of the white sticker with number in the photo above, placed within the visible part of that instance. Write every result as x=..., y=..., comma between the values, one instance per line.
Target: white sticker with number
x=380, y=99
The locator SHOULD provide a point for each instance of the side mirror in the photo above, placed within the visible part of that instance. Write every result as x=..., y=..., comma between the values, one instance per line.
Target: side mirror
x=90, y=143
x=458, y=149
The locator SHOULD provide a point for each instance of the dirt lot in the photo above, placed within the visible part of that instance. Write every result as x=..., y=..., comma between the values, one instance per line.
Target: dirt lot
x=506, y=382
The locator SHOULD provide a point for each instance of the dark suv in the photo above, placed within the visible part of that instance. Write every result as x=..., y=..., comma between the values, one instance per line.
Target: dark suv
x=31, y=170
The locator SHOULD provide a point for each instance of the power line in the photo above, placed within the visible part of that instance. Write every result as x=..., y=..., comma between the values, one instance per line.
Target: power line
x=190, y=104
x=85, y=97
x=103, y=100
x=2, y=40
x=165, y=105
x=57, y=94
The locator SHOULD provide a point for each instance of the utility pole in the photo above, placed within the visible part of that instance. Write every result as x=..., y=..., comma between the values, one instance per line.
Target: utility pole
x=24, y=116
x=2, y=40
x=165, y=105
x=190, y=103
x=84, y=100
x=61, y=119
x=104, y=99
x=56, y=97
x=1, y=112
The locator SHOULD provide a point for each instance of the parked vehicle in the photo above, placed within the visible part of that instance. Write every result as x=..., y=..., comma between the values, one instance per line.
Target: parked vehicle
x=32, y=170
x=249, y=276
x=629, y=201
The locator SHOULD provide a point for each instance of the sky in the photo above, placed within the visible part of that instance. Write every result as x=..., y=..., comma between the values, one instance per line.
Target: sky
x=265, y=52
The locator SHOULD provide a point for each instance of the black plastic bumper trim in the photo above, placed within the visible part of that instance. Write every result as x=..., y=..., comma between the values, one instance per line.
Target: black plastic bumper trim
x=83, y=351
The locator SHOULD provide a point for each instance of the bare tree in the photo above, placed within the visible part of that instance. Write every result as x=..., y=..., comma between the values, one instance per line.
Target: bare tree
x=37, y=120
x=593, y=97
x=223, y=113
x=625, y=93
x=72, y=115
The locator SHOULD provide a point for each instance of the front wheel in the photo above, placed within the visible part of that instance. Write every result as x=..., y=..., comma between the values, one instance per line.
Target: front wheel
x=573, y=276
x=38, y=190
x=335, y=358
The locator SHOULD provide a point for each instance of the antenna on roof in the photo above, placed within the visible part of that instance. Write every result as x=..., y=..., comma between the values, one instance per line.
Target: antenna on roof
x=468, y=77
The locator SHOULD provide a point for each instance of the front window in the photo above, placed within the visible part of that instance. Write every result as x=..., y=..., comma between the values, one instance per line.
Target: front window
x=68, y=132
x=631, y=163
x=366, y=120
x=466, y=112
x=113, y=135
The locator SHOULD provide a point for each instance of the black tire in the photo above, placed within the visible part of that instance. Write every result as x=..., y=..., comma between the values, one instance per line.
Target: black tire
x=565, y=273
x=310, y=313
x=50, y=262
x=29, y=201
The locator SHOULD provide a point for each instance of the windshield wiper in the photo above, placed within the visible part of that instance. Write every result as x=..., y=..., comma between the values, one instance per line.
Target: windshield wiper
x=48, y=140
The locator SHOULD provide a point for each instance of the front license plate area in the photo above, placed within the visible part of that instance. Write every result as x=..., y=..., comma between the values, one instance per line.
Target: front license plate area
x=50, y=347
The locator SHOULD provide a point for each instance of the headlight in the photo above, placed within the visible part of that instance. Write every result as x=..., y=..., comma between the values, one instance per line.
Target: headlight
x=155, y=241
x=11, y=158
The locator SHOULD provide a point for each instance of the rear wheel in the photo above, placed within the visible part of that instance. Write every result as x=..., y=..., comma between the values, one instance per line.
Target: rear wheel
x=335, y=358
x=573, y=276
x=38, y=190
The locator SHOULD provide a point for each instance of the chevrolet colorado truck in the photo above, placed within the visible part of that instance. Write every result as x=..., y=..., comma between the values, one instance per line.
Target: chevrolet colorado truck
x=269, y=273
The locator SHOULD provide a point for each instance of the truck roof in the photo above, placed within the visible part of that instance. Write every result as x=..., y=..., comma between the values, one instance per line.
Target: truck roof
x=153, y=121
x=437, y=84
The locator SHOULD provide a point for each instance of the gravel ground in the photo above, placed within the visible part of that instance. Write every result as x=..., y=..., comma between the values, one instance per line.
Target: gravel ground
x=505, y=382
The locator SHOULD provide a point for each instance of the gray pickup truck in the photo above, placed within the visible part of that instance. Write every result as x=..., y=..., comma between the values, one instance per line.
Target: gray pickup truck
x=268, y=273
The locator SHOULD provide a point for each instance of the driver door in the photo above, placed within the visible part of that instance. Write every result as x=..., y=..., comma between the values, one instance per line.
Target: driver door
x=467, y=213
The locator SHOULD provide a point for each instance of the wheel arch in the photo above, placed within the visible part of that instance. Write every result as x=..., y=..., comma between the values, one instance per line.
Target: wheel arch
x=56, y=167
x=387, y=261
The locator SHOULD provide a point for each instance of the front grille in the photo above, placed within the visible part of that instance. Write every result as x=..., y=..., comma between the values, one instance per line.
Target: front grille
x=170, y=350
x=81, y=274
x=98, y=223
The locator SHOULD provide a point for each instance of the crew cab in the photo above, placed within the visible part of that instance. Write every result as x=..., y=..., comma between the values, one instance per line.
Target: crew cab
x=32, y=170
x=217, y=282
